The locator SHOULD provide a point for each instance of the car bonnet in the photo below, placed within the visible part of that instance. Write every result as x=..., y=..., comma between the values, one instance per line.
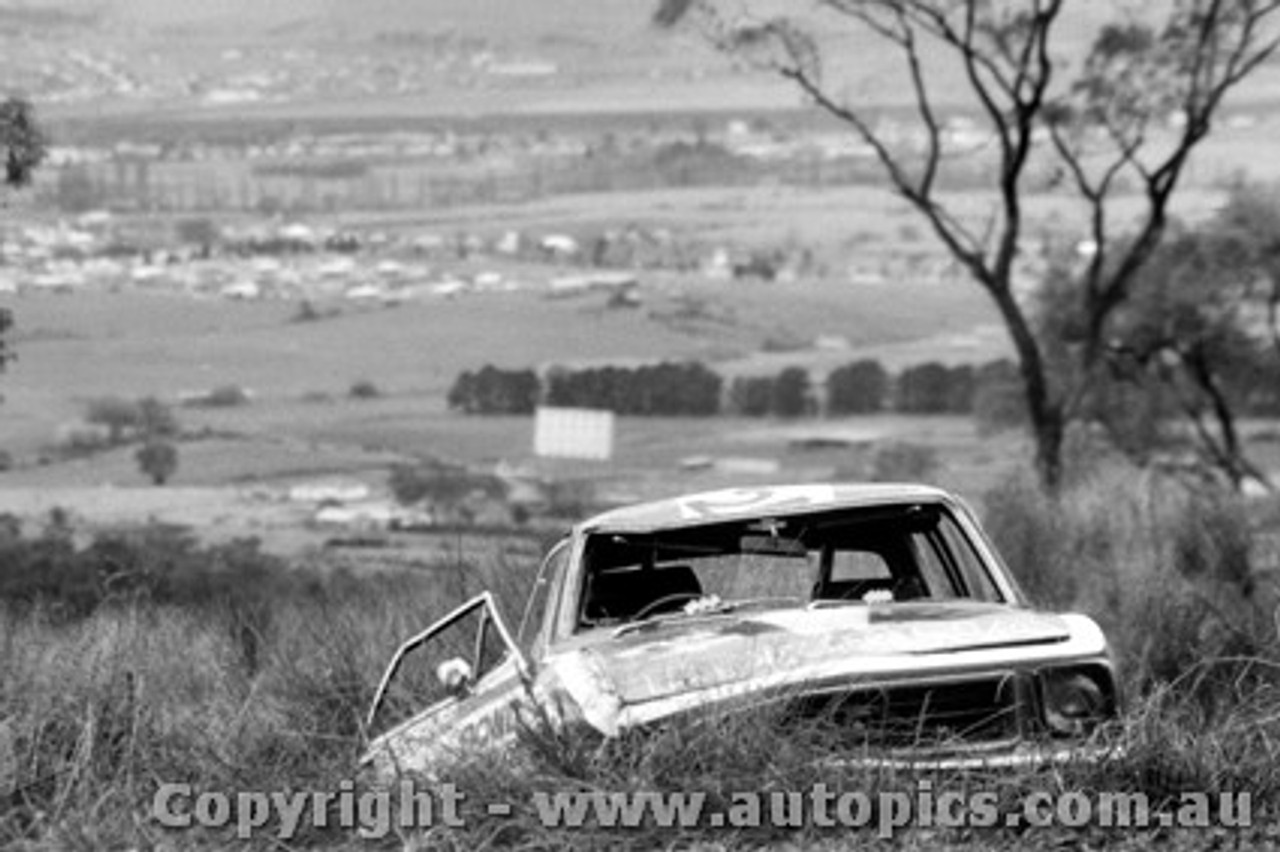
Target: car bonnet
x=692, y=654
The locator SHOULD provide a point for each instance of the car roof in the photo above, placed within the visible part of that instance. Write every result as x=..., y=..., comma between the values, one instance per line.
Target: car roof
x=746, y=502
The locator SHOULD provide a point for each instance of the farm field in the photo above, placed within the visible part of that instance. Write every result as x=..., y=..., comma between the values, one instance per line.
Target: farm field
x=160, y=344
x=302, y=421
x=71, y=349
x=135, y=343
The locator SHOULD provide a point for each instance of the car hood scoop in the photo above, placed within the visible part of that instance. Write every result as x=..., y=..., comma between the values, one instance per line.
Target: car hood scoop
x=684, y=655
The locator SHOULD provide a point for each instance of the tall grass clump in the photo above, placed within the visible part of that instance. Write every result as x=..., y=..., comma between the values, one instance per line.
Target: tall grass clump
x=721, y=760
x=1165, y=567
x=767, y=774
x=1171, y=745
x=143, y=657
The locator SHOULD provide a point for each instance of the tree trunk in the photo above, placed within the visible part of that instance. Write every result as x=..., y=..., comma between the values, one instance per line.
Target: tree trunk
x=1046, y=413
x=1048, y=430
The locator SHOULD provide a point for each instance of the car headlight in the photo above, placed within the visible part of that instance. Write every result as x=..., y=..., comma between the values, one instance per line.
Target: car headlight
x=1074, y=702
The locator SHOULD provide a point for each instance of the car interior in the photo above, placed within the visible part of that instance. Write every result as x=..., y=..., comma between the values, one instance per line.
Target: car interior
x=624, y=594
x=889, y=555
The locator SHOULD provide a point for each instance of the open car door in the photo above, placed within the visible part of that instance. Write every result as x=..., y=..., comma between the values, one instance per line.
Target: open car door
x=456, y=688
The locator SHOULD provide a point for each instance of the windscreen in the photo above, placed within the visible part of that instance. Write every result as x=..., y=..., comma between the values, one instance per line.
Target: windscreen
x=904, y=553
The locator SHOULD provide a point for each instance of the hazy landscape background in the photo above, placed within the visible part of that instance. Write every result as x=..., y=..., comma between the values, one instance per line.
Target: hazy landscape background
x=430, y=133
x=275, y=237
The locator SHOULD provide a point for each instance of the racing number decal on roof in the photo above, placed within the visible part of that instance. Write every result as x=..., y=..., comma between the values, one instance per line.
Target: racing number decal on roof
x=736, y=501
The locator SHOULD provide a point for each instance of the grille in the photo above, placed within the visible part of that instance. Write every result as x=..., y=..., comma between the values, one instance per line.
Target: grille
x=914, y=715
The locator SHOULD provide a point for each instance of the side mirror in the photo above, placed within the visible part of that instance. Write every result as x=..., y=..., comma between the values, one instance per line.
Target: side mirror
x=455, y=676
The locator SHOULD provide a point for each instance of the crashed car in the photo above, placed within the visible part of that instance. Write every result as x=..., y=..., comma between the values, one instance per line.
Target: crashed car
x=882, y=611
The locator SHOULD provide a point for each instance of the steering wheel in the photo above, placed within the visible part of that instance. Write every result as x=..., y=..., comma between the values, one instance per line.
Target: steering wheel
x=665, y=599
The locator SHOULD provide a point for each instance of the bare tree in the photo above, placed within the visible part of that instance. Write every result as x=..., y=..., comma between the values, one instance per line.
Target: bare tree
x=1129, y=116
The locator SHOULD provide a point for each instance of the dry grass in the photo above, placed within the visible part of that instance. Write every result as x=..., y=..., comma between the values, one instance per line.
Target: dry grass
x=96, y=712
x=260, y=691
x=1168, y=568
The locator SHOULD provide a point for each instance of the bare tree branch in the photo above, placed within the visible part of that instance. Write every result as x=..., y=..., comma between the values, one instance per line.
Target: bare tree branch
x=1103, y=129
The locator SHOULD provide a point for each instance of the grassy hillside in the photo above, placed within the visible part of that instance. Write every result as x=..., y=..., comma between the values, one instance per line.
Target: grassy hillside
x=276, y=669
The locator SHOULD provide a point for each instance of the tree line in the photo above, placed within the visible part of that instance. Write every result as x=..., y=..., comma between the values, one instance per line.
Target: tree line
x=991, y=391
x=690, y=388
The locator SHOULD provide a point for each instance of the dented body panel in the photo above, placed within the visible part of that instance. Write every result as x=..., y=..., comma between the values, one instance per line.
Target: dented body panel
x=881, y=608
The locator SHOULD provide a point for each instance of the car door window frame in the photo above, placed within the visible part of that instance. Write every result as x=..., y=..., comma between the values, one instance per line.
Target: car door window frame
x=489, y=615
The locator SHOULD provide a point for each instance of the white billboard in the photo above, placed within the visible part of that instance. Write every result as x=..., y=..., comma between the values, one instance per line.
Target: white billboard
x=573, y=433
